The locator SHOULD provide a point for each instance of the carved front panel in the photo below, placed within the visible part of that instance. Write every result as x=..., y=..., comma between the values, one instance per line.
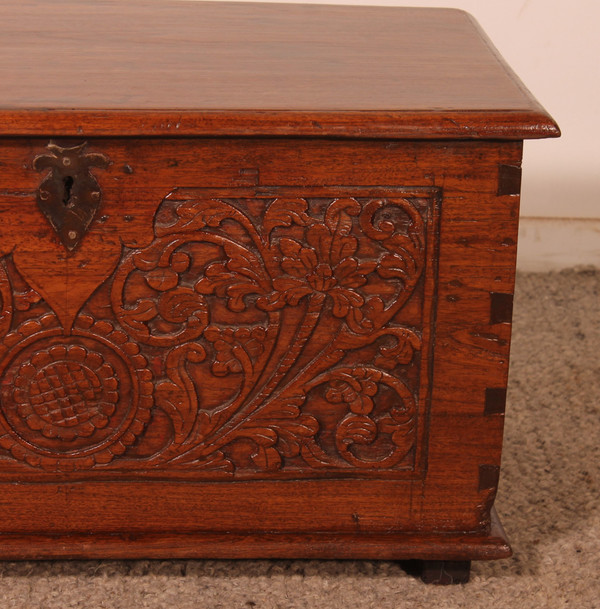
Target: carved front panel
x=280, y=333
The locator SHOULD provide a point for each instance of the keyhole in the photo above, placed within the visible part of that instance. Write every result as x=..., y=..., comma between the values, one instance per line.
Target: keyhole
x=67, y=188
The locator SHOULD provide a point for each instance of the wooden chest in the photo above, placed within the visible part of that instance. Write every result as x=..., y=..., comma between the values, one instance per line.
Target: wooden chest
x=256, y=278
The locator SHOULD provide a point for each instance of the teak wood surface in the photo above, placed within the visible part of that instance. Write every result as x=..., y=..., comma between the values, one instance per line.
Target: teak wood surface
x=273, y=342
x=207, y=68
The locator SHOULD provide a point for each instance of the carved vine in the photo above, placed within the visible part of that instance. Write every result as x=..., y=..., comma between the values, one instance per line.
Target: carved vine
x=285, y=310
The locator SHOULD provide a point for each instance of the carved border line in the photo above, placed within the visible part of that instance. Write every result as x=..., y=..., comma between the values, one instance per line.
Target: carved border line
x=429, y=291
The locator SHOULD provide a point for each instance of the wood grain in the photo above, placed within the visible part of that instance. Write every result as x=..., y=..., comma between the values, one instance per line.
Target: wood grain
x=290, y=340
x=431, y=546
x=237, y=179
x=210, y=68
x=214, y=296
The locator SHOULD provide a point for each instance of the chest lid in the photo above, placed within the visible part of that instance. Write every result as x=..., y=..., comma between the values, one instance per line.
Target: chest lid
x=146, y=67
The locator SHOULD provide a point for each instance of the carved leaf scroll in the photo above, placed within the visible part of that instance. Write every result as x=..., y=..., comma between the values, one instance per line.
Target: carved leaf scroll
x=240, y=343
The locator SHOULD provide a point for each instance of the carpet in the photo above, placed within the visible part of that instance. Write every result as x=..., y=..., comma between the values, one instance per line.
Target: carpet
x=548, y=501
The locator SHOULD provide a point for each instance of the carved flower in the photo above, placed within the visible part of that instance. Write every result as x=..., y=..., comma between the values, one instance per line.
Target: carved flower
x=169, y=311
x=229, y=345
x=66, y=392
x=355, y=389
x=324, y=265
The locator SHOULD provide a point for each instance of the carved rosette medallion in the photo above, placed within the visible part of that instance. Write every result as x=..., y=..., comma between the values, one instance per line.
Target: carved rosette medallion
x=65, y=391
x=75, y=402
x=283, y=334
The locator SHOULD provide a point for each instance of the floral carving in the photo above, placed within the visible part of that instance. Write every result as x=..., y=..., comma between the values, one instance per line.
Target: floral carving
x=278, y=341
x=172, y=312
x=328, y=266
x=232, y=346
x=70, y=404
x=66, y=392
